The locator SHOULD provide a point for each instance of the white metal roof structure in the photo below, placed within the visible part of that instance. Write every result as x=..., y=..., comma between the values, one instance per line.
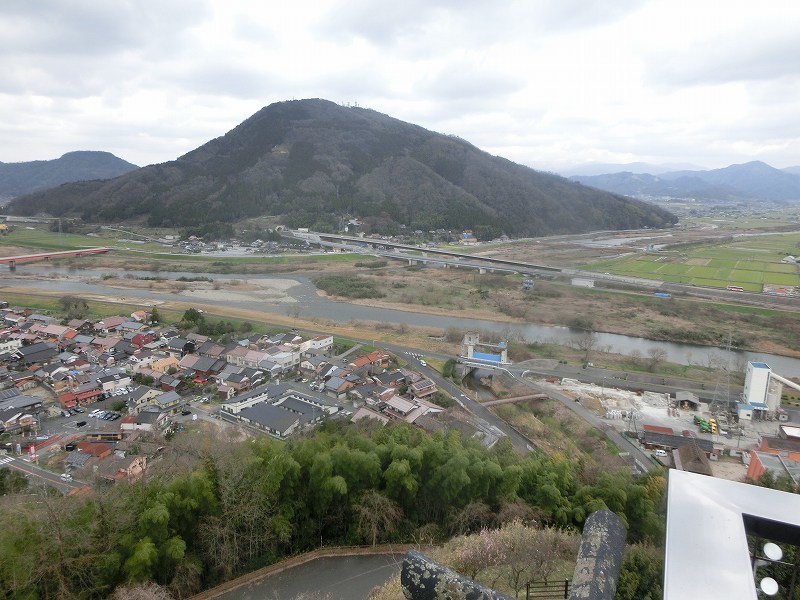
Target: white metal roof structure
x=708, y=521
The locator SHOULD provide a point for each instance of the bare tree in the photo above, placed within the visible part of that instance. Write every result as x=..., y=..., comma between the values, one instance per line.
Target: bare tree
x=655, y=356
x=473, y=517
x=534, y=554
x=377, y=515
x=516, y=511
x=294, y=310
x=586, y=343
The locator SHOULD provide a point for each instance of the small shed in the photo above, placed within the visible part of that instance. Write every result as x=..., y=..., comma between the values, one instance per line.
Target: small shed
x=687, y=400
x=745, y=412
x=582, y=282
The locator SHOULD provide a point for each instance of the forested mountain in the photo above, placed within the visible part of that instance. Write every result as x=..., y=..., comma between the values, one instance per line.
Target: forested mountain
x=750, y=181
x=17, y=179
x=312, y=161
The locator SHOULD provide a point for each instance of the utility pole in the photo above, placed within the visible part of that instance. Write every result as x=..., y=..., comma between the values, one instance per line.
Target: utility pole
x=722, y=390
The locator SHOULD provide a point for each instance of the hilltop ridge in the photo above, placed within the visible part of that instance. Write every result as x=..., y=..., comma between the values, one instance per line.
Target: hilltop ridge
x=308, y=162
x=18, y=179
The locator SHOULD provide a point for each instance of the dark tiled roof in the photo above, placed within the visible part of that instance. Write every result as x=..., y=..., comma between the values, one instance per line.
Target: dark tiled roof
x=270, y=416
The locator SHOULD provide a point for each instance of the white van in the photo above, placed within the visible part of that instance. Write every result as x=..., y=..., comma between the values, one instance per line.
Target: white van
x=660, y=453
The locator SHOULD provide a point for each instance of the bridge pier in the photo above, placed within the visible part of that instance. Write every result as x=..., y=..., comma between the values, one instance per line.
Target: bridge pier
x=12, y=266
x=481, y=270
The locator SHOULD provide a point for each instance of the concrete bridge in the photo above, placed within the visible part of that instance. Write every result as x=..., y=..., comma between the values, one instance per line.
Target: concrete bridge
x=12, y=261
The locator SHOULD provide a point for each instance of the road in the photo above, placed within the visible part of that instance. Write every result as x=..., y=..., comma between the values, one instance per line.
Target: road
x=631, y=381
x=38, y=476
x=641, y=460
x=488, y=422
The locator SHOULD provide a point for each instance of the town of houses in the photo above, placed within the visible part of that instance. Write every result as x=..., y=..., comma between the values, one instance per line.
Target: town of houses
x=276, y=384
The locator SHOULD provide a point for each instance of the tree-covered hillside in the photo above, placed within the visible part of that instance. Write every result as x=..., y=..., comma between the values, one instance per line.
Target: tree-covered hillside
x=17, y=179
x=311, y=161
x=236, y=507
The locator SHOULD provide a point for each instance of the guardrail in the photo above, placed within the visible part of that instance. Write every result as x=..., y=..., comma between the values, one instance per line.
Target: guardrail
x=547, y=590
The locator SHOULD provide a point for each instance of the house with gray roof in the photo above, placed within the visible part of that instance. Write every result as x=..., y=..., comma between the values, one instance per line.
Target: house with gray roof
x=275, y=420
x=151, y=419
x=270, y=367
x=34, y=353
x=336, y=387
x=168, y=401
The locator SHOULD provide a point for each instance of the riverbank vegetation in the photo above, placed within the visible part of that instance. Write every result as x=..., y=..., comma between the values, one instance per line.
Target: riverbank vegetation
x=467, y=293
x=346, y=286
x=213, y=509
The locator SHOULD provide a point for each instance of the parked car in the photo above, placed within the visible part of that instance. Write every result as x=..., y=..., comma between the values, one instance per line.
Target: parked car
x=80, y=423
x=70, y=446
x=66, y=413
x=186, y=412
x=78, y=409
x=66, y=477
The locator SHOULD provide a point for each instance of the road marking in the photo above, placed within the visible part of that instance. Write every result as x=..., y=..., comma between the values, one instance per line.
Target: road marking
x=6, y=459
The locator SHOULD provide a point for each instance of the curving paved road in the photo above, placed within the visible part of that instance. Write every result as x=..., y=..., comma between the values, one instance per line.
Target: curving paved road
x=38, y=476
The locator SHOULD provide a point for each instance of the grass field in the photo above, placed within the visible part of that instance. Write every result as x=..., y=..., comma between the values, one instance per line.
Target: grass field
x=38, y=239
x=747, y=262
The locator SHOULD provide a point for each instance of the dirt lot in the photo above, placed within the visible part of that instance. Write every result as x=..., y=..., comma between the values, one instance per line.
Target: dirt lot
x=729, y=469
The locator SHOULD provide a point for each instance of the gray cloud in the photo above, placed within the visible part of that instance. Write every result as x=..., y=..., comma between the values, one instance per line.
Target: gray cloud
x=546, y=81
x=763, y=55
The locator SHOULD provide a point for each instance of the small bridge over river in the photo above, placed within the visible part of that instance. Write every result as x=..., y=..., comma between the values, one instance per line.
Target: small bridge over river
x=12, y=261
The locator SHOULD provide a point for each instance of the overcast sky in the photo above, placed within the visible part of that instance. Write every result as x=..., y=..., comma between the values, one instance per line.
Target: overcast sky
x=546, y=83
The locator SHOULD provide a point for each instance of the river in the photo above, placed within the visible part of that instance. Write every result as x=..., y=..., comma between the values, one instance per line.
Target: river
x=310, y=304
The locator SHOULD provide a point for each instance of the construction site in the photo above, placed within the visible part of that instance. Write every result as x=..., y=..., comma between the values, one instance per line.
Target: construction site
x=718, y=436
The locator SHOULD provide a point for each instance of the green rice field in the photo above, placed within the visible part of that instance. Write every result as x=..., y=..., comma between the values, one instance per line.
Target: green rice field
x=750, y=262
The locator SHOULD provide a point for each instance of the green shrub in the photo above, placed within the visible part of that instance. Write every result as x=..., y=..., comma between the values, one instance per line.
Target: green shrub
x=348, y=286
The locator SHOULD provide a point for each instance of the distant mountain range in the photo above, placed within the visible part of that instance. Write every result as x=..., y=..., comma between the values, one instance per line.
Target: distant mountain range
x=310, y=162
x=594, y=168
x=750, y=181
x=18, y=179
